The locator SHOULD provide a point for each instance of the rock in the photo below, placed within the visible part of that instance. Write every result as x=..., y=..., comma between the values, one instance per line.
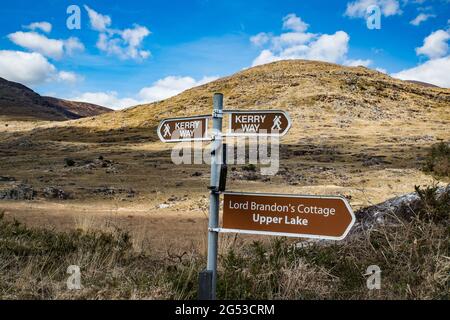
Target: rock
x=55, y=193
x=400, y=206
x=111, y=192
x=69, y=162
x=172, y=199
x=163, y=206
x=369, y=161
x=19, y=192
x=7, y=179
x=25, y=144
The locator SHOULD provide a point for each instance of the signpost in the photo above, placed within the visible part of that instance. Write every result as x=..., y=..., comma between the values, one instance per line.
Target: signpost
x=258, y=122
x=315, y=217
x=184, y=129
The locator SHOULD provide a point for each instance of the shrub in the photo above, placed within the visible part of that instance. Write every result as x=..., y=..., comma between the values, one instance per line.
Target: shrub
x=433, y=205
x=438, y=160
x=69, y=162
x=250, y=167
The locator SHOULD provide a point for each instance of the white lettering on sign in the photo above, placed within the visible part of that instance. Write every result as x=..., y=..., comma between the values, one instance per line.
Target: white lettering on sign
x=267, y=220
x=253, y=128
x=300, y=209
x=250, y=123
x=187, y=125
x=187, y=129
x=250, y=118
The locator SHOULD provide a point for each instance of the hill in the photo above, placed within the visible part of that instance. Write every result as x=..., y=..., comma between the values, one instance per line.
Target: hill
x=356, y=132
x=19, y=102
x=315, y=93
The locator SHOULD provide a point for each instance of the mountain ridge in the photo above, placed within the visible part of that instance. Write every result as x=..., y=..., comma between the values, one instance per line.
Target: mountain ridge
x=354, y=92
x=20, y=102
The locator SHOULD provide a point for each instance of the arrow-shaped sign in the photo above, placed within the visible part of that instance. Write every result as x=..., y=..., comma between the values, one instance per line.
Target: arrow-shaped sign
x=327, y=217
x=258, y=122
x=184, y=129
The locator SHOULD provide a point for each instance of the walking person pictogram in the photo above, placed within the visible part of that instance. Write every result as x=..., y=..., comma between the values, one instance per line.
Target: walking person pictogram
x=277, y=123
x=167, y=130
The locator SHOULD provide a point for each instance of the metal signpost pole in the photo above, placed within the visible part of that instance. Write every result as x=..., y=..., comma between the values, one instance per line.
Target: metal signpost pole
x=216, y=150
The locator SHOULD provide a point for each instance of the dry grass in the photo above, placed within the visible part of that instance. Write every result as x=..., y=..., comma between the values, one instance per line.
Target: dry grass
x=356, y=132
x=412, y=253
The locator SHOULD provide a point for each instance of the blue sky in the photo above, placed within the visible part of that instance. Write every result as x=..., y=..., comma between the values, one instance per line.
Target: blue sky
x=129, y=52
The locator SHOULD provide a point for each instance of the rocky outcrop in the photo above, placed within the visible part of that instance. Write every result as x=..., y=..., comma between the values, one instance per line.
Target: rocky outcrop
x=405, y=206
x=19, y=192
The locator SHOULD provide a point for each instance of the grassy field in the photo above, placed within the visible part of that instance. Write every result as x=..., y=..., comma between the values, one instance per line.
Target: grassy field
x=356, y=133
x=412, y=251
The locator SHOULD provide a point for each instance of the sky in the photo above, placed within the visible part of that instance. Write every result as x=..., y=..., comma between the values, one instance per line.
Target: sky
x=121, y=53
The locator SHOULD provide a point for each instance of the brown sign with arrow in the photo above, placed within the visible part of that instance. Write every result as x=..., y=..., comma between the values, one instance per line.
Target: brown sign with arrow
x=287, y=215
x=184, y=129
x=258, y=122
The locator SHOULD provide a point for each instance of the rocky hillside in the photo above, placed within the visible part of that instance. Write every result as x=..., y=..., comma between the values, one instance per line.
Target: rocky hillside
x=324, y=100
x=19, y=102
x=315, y=93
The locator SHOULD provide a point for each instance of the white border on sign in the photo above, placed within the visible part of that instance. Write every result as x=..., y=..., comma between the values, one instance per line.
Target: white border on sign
x=230, y=132
x=294, y=235
x=207, y=138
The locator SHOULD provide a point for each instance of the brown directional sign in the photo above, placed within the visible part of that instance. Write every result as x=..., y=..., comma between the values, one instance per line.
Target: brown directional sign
x=287, y=215
x=184, y=129
x=259, y=122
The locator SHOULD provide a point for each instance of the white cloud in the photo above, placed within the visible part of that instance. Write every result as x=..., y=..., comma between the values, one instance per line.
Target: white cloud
x=358, y=62
x=266, y=56
x=358, y=8
x=30, y=68
x=125, y=44
x=171, y=86
x=106, y=99
x=260, y=39
x=436, y=71
x=435, y=45
x=98, y=21
x=294, y=23
x=159, y=90
x=331, y=48
x=25, y=68
x=73, y=45
x=39, y=43
x=299, y=44
x=43, y=26
x=422, y=17
x=66, y=76
x=291, y=38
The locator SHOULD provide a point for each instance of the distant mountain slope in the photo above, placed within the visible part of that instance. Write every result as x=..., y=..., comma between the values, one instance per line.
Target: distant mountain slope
x=19, y=102
x=322, y=99
x=307, y=89
x=82, y=109
x=425, y=84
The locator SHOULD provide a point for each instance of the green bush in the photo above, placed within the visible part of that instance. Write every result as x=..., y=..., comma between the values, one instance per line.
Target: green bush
x=250, y=167
x=438, y=160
